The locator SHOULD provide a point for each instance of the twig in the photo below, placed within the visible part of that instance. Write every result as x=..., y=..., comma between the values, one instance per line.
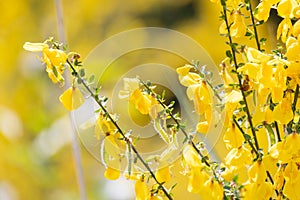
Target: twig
x=126, y=139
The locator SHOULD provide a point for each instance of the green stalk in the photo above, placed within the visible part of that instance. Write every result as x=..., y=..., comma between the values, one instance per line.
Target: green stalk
x=239, y=77
x=126, y=139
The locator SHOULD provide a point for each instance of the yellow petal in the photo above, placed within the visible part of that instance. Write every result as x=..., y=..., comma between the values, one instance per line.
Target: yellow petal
x=111, y=173
x=35, y=47
x=233, y=138
x=256, y=56
x=191, y=157
x=72, y=98
x=141, y=190
x=284, y=29
x=238, y=28
x=263, y=140
x=263, y=11
x=183, y=71
x=163, y=174
x=284, y=8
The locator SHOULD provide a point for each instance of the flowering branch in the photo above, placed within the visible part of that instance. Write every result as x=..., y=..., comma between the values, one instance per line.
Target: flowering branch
x=233, y=52
x=188, y=137
x=126, y=139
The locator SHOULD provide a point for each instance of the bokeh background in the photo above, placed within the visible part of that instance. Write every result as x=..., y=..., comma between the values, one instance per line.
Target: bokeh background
x=36, y=153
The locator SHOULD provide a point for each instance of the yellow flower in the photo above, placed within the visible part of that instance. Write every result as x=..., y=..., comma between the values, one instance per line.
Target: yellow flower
x=197, y=179
x=163, y=174
x=105, y=127
x=257, y=172
x=142, y=102
x=293, y=48
x=263, y=140
x=141, y=190
x=111, y=173
x=191, y=157
x=257, y=56
x=238, y=28
x=285, y=8
x=238, y=157
x=202, y=127
x=251, y=69
x=212, y=190
x=296, y=28
x=72, y=98
x=263, y=9
x=183, y=71
x=283, y=112
x=259, y=191
x=199, y=93
x=291, y=190
x=53, y=58
x=284, y=29
x=279, y=178
x=189, y=79
x=233, y=138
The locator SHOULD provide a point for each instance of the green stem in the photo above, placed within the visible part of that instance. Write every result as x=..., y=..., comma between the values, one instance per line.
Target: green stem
x=254, y=25
x=245, y=137
x=295, y=99
x=239, y=77
x=127, y=140
x=187, y=136
x=272, y=182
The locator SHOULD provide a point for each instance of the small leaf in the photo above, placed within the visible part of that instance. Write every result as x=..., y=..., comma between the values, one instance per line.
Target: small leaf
x=92, y=78
x=82, y=72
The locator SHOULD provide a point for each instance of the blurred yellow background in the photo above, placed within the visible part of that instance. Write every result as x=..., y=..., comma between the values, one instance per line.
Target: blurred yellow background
x=36, y=159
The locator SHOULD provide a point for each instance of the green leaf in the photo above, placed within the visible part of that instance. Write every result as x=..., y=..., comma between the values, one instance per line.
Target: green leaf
x=228, y=54
x=92, y=78
x=82, y=72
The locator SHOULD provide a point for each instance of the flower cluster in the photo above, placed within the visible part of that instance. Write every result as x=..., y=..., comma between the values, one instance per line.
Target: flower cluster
x=260, y=97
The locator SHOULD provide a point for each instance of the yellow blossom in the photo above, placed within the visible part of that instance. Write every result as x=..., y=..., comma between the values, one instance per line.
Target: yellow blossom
x=163, y=174
x=257, y=172
x=183, y=71
x=293, y=48
x=142, y=102
x=111, y=173
x=72, y=98
x=263, y=140
x=285, y=8
x=233, y=138
x=283, y=112
x=199, y=93
x=212, y=190
x=238, y=28
x=263, y=10
x=54, y=59
x=238, y=157
x=104, y=127
x=251, y=191
x=191, y=157
x=197, y=179
x=296, y=28
x=141, y=190
x=278, y=179
x=257, y=56
x=284, y=29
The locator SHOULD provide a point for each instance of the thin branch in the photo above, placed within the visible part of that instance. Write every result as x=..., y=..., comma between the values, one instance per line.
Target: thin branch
x=238, y=75
x=254, y=25
x=187, y=136
x=127, y=140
